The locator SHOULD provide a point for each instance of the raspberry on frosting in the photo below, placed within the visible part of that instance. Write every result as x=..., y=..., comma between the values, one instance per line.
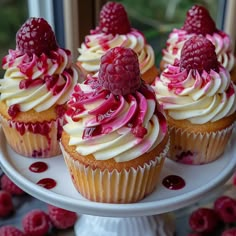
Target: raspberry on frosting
x=119, y=71
x=36, y=37
x=198, y=53
x=114, y=19
x=199, y=21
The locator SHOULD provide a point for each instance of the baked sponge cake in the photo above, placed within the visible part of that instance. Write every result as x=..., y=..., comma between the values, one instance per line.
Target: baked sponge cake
x=199, y=99
x=114, y=30
x=39, y=78
x=199, y=22
x=115, y=136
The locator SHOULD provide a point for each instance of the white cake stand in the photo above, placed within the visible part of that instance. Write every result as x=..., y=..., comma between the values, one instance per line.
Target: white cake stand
x=101, y=219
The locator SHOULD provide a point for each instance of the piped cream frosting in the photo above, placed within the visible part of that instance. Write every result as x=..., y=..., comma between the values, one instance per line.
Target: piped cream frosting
x=221, y=41
x=199, y=98
x=37, y=83
x=111, y=126
x=97, y=44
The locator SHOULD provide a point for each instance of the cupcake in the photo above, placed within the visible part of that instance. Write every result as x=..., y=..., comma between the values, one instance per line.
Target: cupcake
x=115, y=137
x=199, y=99
x=115, y=30
x=39, y=78
x=198, y=21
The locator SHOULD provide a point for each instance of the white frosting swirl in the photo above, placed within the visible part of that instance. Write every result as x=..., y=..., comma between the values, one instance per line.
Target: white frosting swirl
x=102, y=124
x=221, y=41
x=198, y=98
x=96, y=45
x=37, y=82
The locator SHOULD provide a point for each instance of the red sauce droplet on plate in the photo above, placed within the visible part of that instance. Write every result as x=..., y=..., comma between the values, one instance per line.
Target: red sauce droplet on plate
x=38, y=167
x=173, y=182
x=47, y=183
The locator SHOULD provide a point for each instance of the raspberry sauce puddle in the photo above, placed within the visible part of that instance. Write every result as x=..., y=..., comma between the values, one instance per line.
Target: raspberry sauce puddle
x=47, y=183
x=38, y=167
x=173, y=182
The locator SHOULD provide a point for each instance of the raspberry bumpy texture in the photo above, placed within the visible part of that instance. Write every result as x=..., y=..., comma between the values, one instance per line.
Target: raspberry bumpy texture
x=36, y=37
x=10, y=230
x=198, y=53
x=203, y=220
x=114, y=19
x=199, y=21
x=225, y=207
x=119, y=71
x=10, y=186
x=36, y=222
x=61, y=218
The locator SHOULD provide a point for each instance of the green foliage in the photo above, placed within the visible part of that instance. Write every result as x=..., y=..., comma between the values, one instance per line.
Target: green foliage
x=13, y=15
x=156, y=18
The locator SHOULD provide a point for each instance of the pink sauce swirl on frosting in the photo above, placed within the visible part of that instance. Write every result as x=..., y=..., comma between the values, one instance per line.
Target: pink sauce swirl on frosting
x=96, y=45
x=221, y=41
x=199, y=98
x=109, y=126
x=37, y=83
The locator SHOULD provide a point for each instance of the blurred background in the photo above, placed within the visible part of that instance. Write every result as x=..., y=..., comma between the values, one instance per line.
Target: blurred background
x=73, y=19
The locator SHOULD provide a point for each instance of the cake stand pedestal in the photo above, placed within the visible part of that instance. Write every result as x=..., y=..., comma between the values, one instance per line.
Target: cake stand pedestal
x=102, y=219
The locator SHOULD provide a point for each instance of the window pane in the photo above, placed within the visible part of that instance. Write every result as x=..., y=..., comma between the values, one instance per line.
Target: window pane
x=13, y=15
x=156, y=19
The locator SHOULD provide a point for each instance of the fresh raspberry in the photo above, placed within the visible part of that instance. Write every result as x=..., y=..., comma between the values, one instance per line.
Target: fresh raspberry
x=114, y=19
x=203, y=220
x=119, y=71
x=9, y=230
x=199, y=21
x=6, y=204
x=60, y=218
x=226, y=208
x=229, y=232
x=198, y=53
x=10, y=186
x=36, y=223
x=36, y=37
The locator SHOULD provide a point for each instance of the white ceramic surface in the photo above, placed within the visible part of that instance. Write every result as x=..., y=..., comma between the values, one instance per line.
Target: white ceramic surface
x=157, y=225
x=200, y=180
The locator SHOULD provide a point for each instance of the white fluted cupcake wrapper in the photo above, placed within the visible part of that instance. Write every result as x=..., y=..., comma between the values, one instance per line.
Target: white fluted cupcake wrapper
x=112, y=186
x=23, y=140
x=197, y=148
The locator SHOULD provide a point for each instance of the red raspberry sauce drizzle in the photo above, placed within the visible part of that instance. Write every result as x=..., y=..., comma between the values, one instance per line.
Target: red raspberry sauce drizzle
x=173, y=182
x=38, y=167
x=111, y=107
x=13, y=110
x=230, y=91
x=104, y=44
x=47, y=183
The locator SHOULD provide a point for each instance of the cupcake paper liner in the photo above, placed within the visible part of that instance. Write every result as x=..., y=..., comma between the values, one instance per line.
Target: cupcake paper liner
x=107, y=186
x=32, y=144
x=197, y=148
